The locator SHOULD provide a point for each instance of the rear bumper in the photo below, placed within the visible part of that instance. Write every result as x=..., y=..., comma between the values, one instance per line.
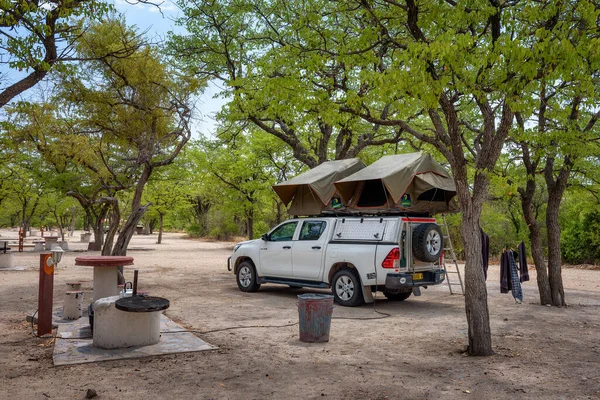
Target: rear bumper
x=400, y=281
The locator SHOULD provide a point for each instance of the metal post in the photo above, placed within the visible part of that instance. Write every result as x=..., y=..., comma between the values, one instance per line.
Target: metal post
x=135, y=276
x=45, y=294
x=21, y=239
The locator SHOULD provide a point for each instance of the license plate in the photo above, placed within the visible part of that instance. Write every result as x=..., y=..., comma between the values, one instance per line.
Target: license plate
x=417, y=277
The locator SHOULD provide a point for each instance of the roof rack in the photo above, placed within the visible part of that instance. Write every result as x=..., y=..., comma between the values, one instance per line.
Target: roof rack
x=386, y=213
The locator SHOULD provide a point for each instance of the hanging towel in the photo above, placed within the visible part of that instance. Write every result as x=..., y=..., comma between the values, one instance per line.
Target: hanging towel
x=516, y=290
x=505, y=285
x=485, y=252
x=523, y=262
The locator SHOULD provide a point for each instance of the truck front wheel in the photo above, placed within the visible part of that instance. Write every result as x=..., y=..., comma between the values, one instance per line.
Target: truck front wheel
x=346, y=288
x=246, y=277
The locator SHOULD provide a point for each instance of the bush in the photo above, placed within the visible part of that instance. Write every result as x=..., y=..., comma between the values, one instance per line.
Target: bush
x=194, y=230
x=580, y=242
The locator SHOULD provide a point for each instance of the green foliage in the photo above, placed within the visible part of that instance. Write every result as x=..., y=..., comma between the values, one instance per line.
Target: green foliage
x=580, y=241
x=236, y=172
x=114, y=120
x=194, y=230
x=37, y=36
x=580, y=227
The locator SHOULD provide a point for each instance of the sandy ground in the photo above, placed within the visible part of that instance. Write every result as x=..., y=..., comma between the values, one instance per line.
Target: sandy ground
x=541, y=352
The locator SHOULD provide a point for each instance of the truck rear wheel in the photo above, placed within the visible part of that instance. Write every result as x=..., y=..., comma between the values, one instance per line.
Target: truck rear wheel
x=346, y=288
x=427, y=242
x=246, y=277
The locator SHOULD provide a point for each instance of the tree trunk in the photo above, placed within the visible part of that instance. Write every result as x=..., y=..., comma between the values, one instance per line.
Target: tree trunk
x=137, y=212
x=72, y=224
x=535, y=238
x=160, y=228
x=115, y=217
x=98, y=237
x=537, y=252
x=476, y=307
x=556, y=188
x=554, y=256
x=250, y=225
x=120, y=248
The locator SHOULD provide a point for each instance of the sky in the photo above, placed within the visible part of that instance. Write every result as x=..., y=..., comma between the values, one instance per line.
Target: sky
x=157, y=23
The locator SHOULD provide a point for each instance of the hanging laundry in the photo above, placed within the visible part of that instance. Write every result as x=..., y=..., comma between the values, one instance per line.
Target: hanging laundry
x=509, y=275
x=523, y=262
x=515, y=282
x=505, y=285
x=485, y=252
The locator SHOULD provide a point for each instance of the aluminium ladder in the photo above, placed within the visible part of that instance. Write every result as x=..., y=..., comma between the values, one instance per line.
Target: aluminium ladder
x=449, y=251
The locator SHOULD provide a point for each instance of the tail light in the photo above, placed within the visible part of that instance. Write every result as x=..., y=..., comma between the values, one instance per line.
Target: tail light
x=442, y=257
x=392, y=260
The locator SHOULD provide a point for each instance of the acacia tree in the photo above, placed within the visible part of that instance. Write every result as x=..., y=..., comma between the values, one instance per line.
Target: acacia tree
x=137, y=109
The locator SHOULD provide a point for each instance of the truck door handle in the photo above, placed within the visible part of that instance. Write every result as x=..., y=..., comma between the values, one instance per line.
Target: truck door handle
x=316, y=247
x=287, y=247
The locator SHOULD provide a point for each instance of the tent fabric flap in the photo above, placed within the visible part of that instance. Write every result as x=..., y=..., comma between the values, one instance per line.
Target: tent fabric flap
x=412, y=182
x=311, y=191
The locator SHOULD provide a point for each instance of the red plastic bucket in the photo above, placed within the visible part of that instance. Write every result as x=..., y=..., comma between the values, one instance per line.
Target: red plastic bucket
x=314, y=312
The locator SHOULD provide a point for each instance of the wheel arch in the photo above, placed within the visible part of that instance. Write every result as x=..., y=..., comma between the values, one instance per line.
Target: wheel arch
x=241, y=260
x=366, y=290
x=338, y=266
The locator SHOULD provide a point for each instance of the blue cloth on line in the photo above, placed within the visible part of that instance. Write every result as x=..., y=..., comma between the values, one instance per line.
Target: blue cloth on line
x=516, y=289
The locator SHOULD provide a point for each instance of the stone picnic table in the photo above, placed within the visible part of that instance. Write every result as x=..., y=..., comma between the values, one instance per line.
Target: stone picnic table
x=106, y=276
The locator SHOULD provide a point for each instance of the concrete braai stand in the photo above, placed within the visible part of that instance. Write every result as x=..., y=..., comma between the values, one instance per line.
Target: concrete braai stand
x=106, y=276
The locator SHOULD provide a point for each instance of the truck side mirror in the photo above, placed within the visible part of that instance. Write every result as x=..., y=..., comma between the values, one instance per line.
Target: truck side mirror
x=265, y=237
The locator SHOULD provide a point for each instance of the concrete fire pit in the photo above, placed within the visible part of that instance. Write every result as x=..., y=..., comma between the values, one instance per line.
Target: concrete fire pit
x=128, y=321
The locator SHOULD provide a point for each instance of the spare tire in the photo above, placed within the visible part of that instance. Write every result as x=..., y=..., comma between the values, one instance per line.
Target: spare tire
x=427, y=242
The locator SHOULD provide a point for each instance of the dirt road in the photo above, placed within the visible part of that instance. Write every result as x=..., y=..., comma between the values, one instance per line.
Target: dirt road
x=542, y=352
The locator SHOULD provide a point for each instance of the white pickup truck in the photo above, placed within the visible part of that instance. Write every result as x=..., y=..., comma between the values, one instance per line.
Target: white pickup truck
x=355, y=256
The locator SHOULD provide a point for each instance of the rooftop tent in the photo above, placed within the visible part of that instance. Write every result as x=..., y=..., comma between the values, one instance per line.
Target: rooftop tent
x=312, y=191
x=412, y=182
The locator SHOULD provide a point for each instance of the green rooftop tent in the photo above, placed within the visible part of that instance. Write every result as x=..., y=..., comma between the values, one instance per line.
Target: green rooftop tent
x=412, y=182
x=313, y=191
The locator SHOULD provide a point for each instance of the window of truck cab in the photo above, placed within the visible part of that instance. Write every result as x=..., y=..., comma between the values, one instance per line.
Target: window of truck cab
x=312, y=230
x=283, y=233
